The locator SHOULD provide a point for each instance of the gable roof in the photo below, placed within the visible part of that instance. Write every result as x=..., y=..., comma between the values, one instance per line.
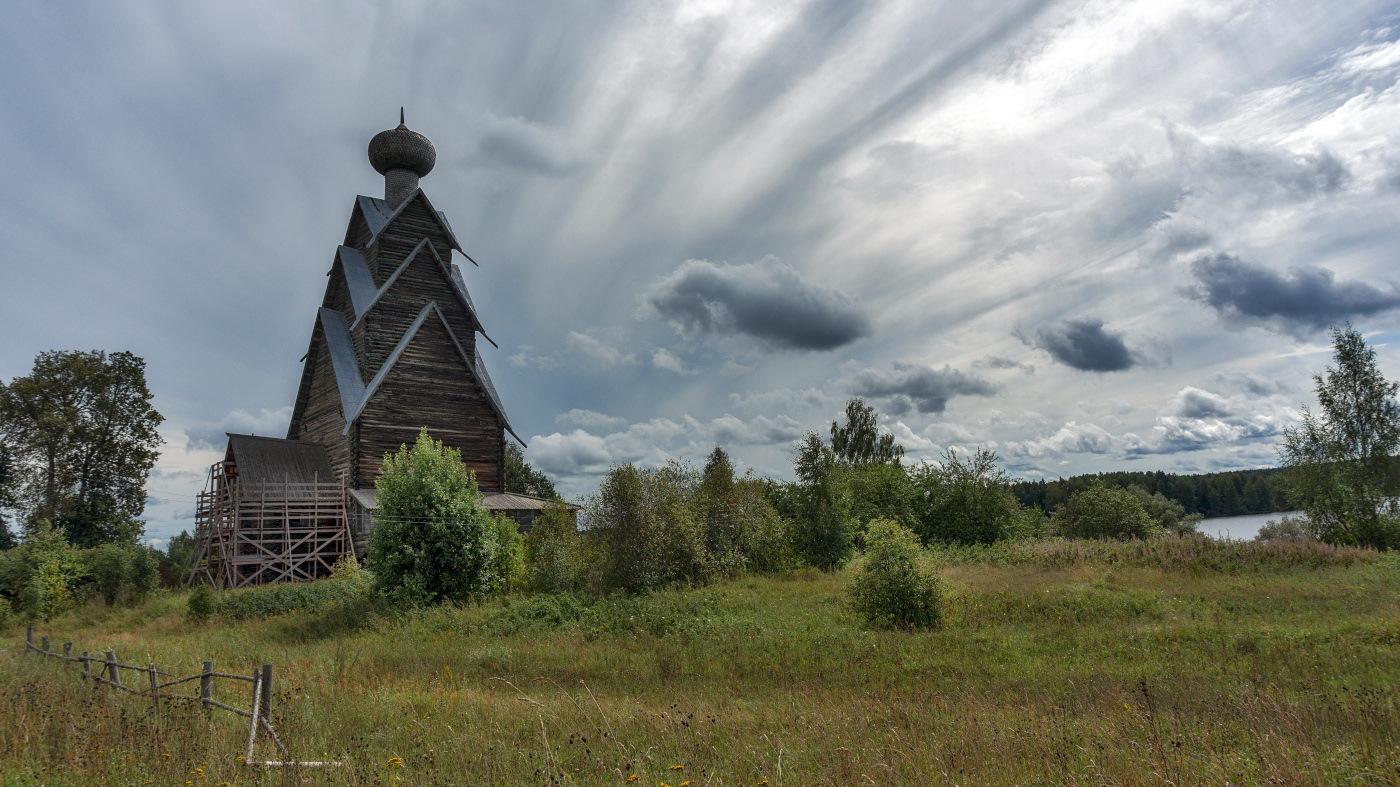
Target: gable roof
x=348, y=379
x=378, y=215
x=451, y=274
x=358, y=279
x=474, y=367
x=262, y=460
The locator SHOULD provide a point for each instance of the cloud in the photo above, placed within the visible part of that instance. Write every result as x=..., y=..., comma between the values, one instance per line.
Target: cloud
x=516, y=143
x=1084, y=344
x=1195, y=403
x=526, y=357
x=589, y=419
x=1072, y=438
x=766, y=300
x=1305, y=301
x=597, y=351
x=997, y=362
x=915, y=386
x=268, y=423
x=665, y=359
x=576, y=453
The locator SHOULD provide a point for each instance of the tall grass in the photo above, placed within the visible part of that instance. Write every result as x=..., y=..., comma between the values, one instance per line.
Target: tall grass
x=1078, y=663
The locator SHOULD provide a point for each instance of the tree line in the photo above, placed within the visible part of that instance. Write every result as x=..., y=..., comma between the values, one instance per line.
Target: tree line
x=1232, y=493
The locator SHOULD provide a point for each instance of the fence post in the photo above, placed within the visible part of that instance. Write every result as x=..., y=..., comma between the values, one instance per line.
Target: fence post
x=113, y=674
x=46, y=645
x=87, y=665
x=206, y=686
x=267, y=692
x=28, y=637
x=67, y=650
x=155, y=694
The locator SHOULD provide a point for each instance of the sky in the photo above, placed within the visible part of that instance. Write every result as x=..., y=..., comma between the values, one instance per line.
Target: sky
x=1085, y=235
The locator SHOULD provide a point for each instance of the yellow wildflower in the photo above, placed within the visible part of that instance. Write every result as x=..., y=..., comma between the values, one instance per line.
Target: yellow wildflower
x=631, y=778
x=677, y=767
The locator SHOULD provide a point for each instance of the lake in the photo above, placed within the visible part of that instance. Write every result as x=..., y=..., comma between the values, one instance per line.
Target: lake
x=1240, y=528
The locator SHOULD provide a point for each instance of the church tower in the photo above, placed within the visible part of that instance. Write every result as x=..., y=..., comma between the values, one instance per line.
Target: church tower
x=393, y=346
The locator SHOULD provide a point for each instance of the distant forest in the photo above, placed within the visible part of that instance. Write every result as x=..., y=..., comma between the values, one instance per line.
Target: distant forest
x=1209, y=494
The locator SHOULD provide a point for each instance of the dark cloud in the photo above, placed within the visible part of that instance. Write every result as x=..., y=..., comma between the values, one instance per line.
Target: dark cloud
x=1296, y=176
x=1308, y=299
x=1083, y=344
x=766, y=300
x=915, y=386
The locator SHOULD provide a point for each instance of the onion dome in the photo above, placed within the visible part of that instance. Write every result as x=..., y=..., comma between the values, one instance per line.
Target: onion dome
x=399, y=148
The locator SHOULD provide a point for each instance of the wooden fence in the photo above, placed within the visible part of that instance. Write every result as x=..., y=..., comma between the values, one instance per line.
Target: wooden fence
x=159, y=686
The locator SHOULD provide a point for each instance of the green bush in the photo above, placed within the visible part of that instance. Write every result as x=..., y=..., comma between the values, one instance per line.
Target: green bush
x=201, y=604
x=824, y=533
x=649, y=527
x=44, y=572
x=508, y=562
x=122, y=572
x=432, y=539
x=552, y=550
x=891, y=589
x=1103, y=511
x=265, y=601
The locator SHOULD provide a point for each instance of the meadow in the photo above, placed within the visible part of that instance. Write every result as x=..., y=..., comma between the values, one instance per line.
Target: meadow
x=1175, y=662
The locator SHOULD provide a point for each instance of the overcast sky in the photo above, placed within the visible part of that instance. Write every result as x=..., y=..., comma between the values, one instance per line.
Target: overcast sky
x=1088, y=235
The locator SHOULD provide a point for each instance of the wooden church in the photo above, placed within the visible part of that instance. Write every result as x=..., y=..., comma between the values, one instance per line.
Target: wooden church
x=392, y=351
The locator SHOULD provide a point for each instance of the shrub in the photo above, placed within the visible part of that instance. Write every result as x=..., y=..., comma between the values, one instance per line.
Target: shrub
x=201, y=604
x=1169, y=514
x=1288, y=528
x=649, y=527
x=265, y=601
x=1102, y=511
x=552, y=550
x=122, y=572
x=508, y=563
x=891, y=589
x=47, y=571
x=432, y=539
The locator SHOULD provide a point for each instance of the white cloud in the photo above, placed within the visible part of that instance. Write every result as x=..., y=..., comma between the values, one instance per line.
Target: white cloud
x=665, y=359
x=595, y=351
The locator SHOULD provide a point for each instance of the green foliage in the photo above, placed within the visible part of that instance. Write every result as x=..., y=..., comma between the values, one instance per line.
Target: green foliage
x=82, y=431
x=824, y=533
x=552, y=550
x=859, y=442
x=1208, y=494
x=1102, y=511
x=890, y=588
x=650, y=527
x=1170, y=515
x=877, y=491
x=265, y=601
x=173, y=568
x=122, y=573
x=50, y=570
x=432, y=539
x=1340, y=463
x=508, y=562
x=522, y=479
x=968, y=501
x=201, y=604
x=1287, y=528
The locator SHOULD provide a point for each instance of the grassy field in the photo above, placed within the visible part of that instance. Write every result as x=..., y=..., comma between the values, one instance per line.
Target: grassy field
x=1086, y=665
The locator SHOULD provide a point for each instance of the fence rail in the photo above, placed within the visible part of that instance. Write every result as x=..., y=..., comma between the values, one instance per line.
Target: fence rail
x=109, y=673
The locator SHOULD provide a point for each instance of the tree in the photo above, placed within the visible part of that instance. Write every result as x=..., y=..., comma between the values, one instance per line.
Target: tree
x=824, y=534
x=1340, y=462
x=859, y=442
x=9, y=482
x=968, y=501
x=522, y=479
x=1103, y=511
x=432, y=539
x=1167, y=513
x=82, y=432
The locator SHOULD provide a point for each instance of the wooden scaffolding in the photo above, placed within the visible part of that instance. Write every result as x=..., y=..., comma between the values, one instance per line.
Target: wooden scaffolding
x=253, y=530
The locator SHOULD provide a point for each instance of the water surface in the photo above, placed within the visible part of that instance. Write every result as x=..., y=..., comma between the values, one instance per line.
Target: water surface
x=1240, y=528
